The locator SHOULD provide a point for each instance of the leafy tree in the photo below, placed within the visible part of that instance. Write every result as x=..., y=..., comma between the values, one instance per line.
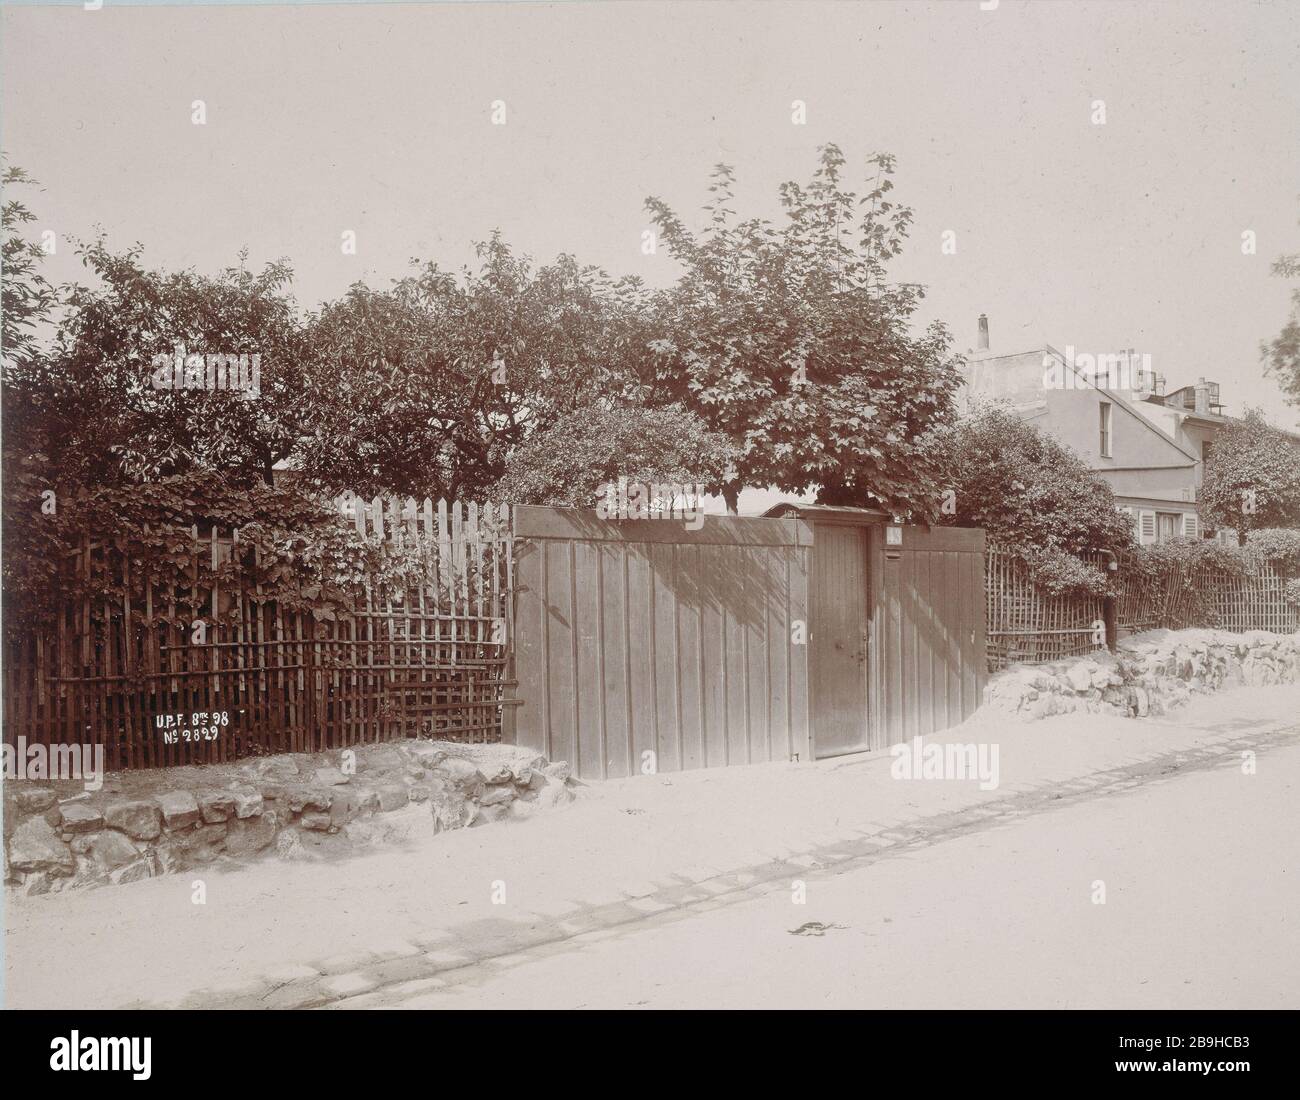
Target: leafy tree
x=91, y=405
x=26, y=296
x=1281, y=355
x=431, y=385
x=1252, y=477
x=567, y=463
x=1033, y=496
x=393, y=403
x=789, y=341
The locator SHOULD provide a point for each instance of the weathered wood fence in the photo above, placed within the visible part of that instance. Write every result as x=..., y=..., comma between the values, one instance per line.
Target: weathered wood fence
x=635, y=638
x=429, y=657
x=1029, y=625
x=807, y=633
x=644, y=645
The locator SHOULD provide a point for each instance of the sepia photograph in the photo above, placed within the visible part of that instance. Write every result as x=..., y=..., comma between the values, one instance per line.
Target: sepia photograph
x=651, y=506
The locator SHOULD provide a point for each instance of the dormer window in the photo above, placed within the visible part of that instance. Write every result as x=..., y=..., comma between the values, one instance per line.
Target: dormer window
x=1105, y=409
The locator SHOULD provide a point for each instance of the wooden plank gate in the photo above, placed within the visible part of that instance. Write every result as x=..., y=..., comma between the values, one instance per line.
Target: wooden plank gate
x=898, y=627
x=801, y=634
x=643, y=645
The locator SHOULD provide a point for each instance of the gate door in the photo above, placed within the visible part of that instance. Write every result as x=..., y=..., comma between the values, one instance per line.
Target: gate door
x=838, y=643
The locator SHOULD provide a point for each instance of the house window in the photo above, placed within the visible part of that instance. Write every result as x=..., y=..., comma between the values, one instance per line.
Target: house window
x=1167, y=525
x=1105, y=429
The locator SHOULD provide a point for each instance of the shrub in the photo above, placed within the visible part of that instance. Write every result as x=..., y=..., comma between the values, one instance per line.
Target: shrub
x=1276, y=544
x=1256, y=464
x=566, y=464
x=302, y=552
x=1188, y=555
x=1034, y=497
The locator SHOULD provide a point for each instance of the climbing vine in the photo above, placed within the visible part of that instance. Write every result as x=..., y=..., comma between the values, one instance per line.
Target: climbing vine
x=175, y=539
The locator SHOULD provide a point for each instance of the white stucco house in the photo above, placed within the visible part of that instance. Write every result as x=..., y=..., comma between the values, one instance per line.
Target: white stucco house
x=1112, y=410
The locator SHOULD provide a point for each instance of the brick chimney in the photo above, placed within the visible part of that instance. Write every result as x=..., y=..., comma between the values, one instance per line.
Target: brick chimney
x=1202, y=396
x=983, y=344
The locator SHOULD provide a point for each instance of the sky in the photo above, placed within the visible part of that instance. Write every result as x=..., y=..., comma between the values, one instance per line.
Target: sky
x=377, y=119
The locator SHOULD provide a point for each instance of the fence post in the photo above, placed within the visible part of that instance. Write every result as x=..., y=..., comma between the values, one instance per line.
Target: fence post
x=1110, y=616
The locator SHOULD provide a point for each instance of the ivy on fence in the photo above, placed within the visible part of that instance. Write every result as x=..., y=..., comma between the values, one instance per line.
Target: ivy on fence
x=1173, y=586
x=285, y=623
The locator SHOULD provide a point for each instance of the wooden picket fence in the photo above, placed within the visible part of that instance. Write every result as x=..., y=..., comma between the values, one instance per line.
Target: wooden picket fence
x=1028, y=625
x=429, y=659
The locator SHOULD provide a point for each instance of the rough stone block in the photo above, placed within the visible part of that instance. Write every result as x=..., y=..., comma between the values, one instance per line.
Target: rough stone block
x=244, y=836
x=392, y=796
x=80, y=817
x=111, y=850
x=35, y=846
x=248, y=802
x=137, y=818
x=179, y=809
x=216, y=806
x=35, y=800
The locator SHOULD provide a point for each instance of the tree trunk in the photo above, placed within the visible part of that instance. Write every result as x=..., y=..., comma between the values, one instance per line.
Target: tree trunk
x=731, y=494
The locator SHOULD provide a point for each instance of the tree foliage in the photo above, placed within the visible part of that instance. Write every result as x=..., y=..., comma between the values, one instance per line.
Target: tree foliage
x=788, y=340
x=1252, y=477
x=567, y=463
x=26, y=296
x=1033, y=496
x=90, y=408
x=1281, y=354
x=434, y=383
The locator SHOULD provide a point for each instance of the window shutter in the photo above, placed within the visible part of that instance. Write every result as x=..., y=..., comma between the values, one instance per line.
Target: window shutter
x=1189, y=525
x=1147, y=530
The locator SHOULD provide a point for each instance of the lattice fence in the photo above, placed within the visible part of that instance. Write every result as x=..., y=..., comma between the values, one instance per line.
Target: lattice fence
x=1029, y=625
x=428, y=659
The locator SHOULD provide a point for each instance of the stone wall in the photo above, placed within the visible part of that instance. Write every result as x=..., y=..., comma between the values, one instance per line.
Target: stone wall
x=304, y=806
x=1150, y=674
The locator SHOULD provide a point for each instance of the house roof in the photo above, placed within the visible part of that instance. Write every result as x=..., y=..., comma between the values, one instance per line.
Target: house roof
x=1213, y=420
x=827, y=513
x=1123, y=402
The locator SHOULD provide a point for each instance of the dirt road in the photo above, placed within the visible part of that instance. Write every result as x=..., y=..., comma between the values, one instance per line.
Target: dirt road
x=1201, y=880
